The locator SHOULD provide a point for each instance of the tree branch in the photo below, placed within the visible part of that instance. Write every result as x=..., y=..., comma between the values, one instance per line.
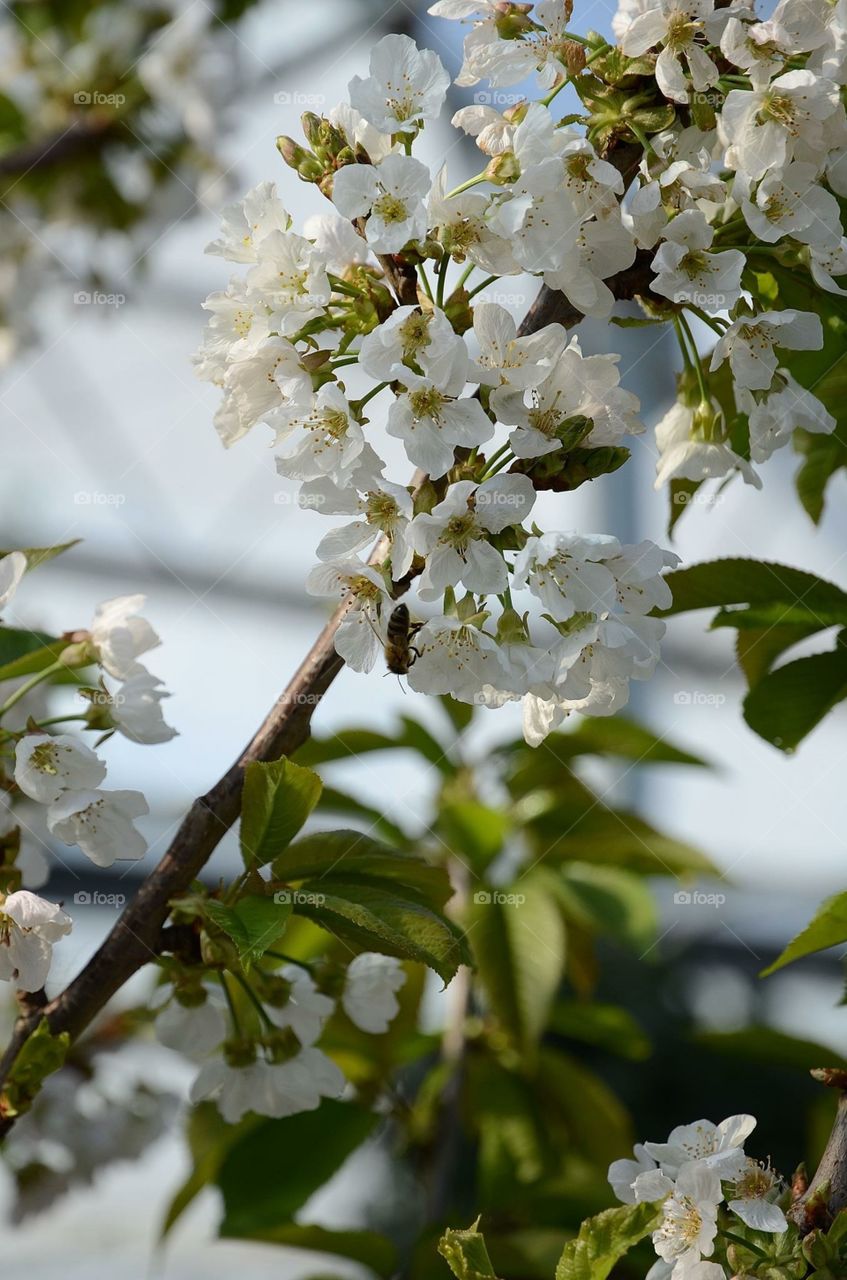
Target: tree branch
x=135, y=938
x=827, y=1192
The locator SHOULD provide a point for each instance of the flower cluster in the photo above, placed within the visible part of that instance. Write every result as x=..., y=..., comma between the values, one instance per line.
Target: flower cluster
x=276, y=1069
x=699, y=1168
x=486, y=412
x=63, y=774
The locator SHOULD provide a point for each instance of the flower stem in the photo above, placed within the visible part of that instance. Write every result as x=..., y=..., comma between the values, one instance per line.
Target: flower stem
x=466, y=275
x=28, y=685
x=695, y=355
x=442, y=279
x=358, y=405
x=233, y=1012
x=253, y=998
x=425, y=281
x=486, y=282
x=466, y=186
x=745, y=1244
x=280, y=955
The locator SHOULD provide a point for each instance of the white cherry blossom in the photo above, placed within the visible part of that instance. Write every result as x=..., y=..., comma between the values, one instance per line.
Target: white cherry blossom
x=385, y=508
x=268, y=1088
x=461, y=225
x=244, y=225
x=370, y=991
x=789, y=202
x=687, y=453
x=774, y=417
x=687, y=272
x=47, y=766
x=456, y=658
x=390, y=195
x=453, y=537
x=538, y=218
x=358, y=639
x=508, y=361
x=326, y=440
x=101, y=823
x=192, y=1023
x=120, y=636
x=762, y=128
x=300, y=1005
x=409, y=336
x=752, y=1198
x=29, y=926
x=749, y=344
x=137, y=711
x=565, y=572
x=718, y=1146
x=290, y=280
x=678, y=26
x=12, y=570
x=406, y=86
x=271, y=378
x=689, y=1225
x=431, y=419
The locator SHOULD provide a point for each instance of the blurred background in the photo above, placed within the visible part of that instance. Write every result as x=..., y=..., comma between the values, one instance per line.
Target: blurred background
x=105, y=422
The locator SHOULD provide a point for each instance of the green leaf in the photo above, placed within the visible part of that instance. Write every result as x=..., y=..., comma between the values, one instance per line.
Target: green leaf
x=334, y=801
x=253, y=924
x=617, y=736
x=270, y=1172
x=465, y=1253
x=767, y=1047
x=604, y=1239
x=209, y=1137
x=419, y=739
x=680, y=493
x=341, y=746
x=788, y=703
x=751, y=582
x=23, y=653
x=41, y=1054
x=474, y=830
x=758, y=649
x=37, y=556
x=278, y=798
x=377, y=919
x=459, y=714
x=609, y=900
x=607, y=1026
x=354, y=856
x=517, y=938
x=365, y=1247
x=596, y=1122
x=827, y=929
x=615, y=837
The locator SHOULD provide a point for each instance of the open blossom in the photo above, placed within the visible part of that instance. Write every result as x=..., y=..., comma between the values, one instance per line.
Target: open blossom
x=290, y=280
x=538, y=218
x=192, y=1023
x=752, y=1198
x=461, y=224
x=774, y=417
x=687, y=272
x=244, y=225
x=406, y=86
x=390, y=195
x=270, y=378
x=692, y=447
x=689, y=1225
x=508, y=361
x=370, y=991
x=749, y=344
x=45, y=767
x=719, y=1146
x=29, y=926
x=790, y=202
x=566, y=573
x=456, y=658
x=454, y=535
x=274, y=1089
x=324, y=440
x=294, y=1001
x=409, y=336
x=763, y=128
x=677, y=25
x=12, y=569
x=384, y=508
x=120, y=636
x=101, y=823
x=431, y=419
x=358, y=639
x=136, y=708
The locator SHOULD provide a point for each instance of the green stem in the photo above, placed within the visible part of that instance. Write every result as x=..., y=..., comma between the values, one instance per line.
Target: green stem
x=640, y=135
x=486, y=282
x=471, y=267
x=504, y=462
x=425, y=282
x=28, y=685
x=44, y=724
x=695, y=355
x=712, y=321
x=442, y=279
x=466, y=186
x=345, y=360
x=745, y=1244
x=358, y=405
x=280, y=955
x=233, y=1012
x=341, y=286
x=254, y=999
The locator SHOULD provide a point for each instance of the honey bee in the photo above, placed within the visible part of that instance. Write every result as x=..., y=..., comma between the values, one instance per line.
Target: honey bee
x=400, y=653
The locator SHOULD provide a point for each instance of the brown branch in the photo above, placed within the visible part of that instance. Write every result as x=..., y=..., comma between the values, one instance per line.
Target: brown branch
x=136, y=937
x=826, y=1194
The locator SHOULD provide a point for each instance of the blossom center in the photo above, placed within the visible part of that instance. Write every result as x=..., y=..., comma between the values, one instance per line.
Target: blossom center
x=427, y=402
x=391, y=208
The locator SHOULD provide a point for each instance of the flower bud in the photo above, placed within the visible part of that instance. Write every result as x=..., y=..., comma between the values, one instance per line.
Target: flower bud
x=503, y=169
